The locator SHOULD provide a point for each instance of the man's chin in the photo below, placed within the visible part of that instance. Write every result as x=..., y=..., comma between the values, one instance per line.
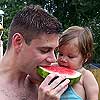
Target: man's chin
x=37, y=80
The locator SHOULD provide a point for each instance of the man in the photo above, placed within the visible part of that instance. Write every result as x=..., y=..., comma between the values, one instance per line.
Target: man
x=32, y=40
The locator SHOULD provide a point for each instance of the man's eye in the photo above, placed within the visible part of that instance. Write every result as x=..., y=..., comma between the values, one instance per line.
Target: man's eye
x=45, y=51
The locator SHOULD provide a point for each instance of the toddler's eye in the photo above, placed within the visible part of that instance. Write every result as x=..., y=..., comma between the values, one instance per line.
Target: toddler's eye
x=70, y=56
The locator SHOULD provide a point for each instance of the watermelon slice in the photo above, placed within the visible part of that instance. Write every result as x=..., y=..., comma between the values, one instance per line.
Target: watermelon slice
x=70, y=74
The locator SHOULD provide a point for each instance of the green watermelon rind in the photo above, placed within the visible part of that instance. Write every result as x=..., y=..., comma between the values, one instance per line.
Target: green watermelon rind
x=45, y=73
x=42, y=72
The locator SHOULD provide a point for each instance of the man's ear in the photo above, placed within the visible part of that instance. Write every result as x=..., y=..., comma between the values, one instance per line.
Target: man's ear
x=17, y=41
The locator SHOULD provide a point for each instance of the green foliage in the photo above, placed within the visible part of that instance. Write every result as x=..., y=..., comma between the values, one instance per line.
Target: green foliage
x=69, y=12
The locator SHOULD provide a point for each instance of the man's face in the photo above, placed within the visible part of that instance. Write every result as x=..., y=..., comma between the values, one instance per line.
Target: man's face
x=40, y=52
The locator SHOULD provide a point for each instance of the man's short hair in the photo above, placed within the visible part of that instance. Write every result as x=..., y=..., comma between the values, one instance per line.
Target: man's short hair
x=32, y=21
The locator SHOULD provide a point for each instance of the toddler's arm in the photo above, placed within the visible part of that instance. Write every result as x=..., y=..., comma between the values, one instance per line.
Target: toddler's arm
x=91, y=86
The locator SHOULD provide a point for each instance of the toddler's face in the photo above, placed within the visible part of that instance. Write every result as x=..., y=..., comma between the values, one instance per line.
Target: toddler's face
x=69, y=55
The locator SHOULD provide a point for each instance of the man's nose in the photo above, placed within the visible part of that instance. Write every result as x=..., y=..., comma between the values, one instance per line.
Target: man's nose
x=52, y=58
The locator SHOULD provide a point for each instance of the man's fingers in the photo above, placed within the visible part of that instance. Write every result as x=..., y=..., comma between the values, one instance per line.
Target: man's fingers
x=54, y=86
x=57, y=81
x=48, y=79
x=61, y=88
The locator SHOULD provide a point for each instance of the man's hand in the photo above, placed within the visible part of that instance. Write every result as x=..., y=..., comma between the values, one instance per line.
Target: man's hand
x=52, y=87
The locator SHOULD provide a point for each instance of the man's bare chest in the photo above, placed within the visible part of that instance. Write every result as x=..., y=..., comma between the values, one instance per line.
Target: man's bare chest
x=17, y=94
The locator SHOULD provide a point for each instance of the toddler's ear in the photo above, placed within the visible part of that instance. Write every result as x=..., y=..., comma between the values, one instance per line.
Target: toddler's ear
x=86, y=60
x=88, y=57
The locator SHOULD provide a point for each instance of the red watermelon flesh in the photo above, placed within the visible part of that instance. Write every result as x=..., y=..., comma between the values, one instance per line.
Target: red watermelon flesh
x=73, y=75
x=60, y=70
